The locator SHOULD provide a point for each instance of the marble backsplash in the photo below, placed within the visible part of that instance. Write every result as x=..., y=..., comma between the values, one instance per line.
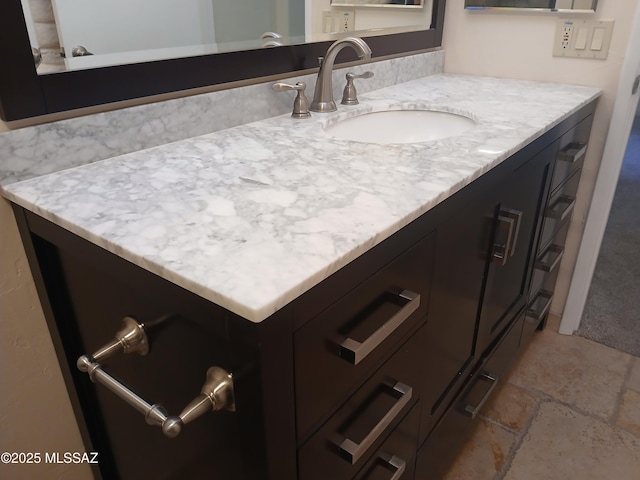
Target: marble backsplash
x=51, y=147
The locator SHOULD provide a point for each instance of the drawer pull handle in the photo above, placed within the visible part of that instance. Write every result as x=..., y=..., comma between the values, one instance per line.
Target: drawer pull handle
x=354, y=351
x=473, y=411
x=550, y=259
x=353, y=451
x=535, y=311
x=561, y=208
x=216, y=393
x=573, y=152
x=393, y=463
x=507, y=236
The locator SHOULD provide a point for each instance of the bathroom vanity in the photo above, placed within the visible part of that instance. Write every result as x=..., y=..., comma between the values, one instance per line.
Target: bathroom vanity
x=366, y=299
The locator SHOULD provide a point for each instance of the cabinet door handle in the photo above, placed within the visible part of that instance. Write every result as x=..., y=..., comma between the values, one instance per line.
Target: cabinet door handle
x=216, y=393
x=573, y=152
x=354, y=351
x=353, y=451
x=561, y=208
x=473, y=411
x=555, y=254
x=508, y=229
x=393, y=463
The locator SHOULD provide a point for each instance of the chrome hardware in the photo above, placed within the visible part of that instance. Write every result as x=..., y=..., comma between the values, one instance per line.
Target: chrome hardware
x=352, y=450
x=300, y=103
x=154, y=414
x=561, y=208
x=37, y=56
x=270, y=35
x=393, y=463
x=473, y=411
x=80, y=51
x=323, y=96
x=131, y=338
x=350, y=95
x=535, y=311
x=274, y=39
x=502, y=246
x=573, y=152
x=549, y=266
x=354, y=351
x=216, y=394
x=509, y=227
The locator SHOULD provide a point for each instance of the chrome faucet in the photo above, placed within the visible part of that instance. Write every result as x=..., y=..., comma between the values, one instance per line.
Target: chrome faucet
x=323, y=96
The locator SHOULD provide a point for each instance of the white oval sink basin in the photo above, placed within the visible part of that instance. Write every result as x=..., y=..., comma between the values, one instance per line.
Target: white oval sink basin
x=400, y=126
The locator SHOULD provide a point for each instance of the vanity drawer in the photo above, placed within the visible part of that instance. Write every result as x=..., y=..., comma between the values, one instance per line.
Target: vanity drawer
x=396, y=458
x=335, y=352
x=560, y=208
x=571, y=154
x=546, y=269
x=536, y=314
x=356, y=432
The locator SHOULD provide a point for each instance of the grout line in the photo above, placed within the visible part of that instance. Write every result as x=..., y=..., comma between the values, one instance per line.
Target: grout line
x=519, y=440
x=620, y=397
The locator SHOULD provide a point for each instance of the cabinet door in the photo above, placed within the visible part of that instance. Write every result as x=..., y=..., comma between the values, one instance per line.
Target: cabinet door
x=518, y=216
x=460, y=265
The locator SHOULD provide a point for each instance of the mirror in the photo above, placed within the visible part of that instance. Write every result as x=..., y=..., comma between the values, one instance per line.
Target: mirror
x=378, y=3
x=540, y=5
x=24, y=93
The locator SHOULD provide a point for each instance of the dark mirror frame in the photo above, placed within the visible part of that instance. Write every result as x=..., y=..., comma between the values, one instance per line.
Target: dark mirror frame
x=25, y=94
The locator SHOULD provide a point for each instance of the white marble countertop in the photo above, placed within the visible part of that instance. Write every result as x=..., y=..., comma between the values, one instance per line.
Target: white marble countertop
x=253, y=216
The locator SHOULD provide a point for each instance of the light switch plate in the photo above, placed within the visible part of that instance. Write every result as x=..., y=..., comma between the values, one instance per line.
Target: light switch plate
x=580, y=33
x=335, y=21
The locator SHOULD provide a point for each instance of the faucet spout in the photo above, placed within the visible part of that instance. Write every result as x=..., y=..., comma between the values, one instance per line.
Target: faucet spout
x=323, y=96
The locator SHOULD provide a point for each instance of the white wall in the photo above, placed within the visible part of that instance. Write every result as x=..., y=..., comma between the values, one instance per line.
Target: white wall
x=520, y=46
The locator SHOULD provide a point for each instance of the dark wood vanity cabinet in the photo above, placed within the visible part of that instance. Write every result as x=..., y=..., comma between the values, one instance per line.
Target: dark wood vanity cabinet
x=376, y=373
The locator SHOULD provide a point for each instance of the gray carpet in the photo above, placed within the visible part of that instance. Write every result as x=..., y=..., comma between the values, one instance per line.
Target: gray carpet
x=612, y=311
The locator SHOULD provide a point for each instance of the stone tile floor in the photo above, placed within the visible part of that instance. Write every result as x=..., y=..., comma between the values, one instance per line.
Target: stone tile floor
x=570, y=409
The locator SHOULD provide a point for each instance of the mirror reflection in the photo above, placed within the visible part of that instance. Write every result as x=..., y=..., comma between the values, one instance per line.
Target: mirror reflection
x=551, y=5
x=79, y=34
x=378, y=3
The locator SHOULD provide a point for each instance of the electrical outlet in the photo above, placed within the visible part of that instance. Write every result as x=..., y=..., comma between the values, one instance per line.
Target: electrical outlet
x=567, y=35
x=335, y=21
x=584, y=38
x=563, y=43
x=347, y=21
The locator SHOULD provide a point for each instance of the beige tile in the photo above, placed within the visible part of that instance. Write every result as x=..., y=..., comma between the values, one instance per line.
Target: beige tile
x=634, y=379
x=511, y=406
x=563, y=444
x=629, y=416
x=573, y=370
x=484, y=455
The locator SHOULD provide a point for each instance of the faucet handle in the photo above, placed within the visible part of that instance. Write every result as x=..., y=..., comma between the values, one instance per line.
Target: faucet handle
x=300, y=103
x=349, y=95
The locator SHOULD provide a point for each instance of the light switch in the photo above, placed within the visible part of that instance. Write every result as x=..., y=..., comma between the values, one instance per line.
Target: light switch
x=581, y=38
x=598, y=39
